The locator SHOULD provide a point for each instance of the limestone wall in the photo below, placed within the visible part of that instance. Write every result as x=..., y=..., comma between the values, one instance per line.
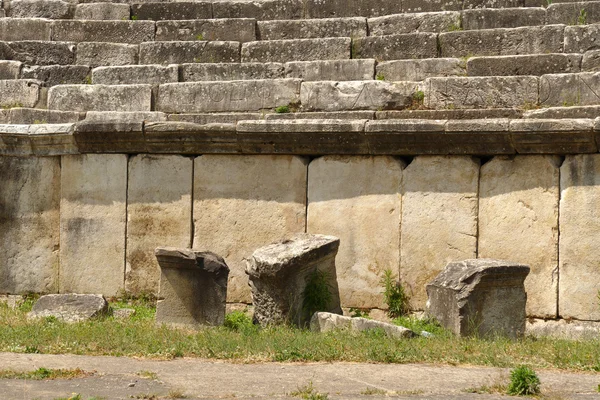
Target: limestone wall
x=89, y=223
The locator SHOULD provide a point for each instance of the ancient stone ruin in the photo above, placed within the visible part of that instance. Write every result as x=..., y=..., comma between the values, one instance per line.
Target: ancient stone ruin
x=281, y=276
x=480, y=297
x=69, y=307
x=193, y=287
x=418, y=132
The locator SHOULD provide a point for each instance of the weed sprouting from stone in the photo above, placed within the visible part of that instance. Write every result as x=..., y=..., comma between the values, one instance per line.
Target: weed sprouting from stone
x=282, y=109
x=523, y=382
x=380, y=77
x=316, y=296
x=308, y=392
x=239, y=321
x=394, y=295
x=373, y=391
x=582, y=18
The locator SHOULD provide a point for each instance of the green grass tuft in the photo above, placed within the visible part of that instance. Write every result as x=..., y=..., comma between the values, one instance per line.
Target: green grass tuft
x=394, y=295
x=523, y=382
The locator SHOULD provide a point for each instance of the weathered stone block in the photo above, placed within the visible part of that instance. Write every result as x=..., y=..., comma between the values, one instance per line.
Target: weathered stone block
x=239, y=207
x=135, y=74
x=312, y=28
x=331, y=70
x=473, y=113
x=52, y=139
x=579, y=264
x=212, y=118
x=538, y=64
x=231, y=71
x=491, y=18
x=92, y=223
x=344, y=200
x=239, y=29
x=102, y=11
x=189, y=52
x=10, y=69
x=354, y=95
x=100, y=98
x=575, y=13
x=100, y=133
x=591, y=61
x=350, y=8
x=69, y=307
x=499, y=42
x=193, y=287
x=569, y=89
x=19, y=93
x=191, y=138
x=103, y=31
x=415, y=22
x=481, y=297
x=281, y=274
x=563, y=112
x=518, y=219
x=563, y=329
x=172, y=10
x=53, y=75
x=411, y=6
x=553, y=136
x=481, y=92
x=396, y=47
x=33, y=115
x=439, y=219
x=96, y=54
x=296, y=50
x=338, y=115
x=579, y=39
x=38, y=52
x=419, y=70
x=325, y=322
x=29, y=222
x=259, y=9
x=251, y=95
x=52, y=9
x=159, y=213
x=15, y=29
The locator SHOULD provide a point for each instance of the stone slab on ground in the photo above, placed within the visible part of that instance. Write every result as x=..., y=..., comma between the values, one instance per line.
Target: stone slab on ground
x=482, y=297
x=69, y=307
x=159, y=213
x=563, y=329
x=324, y=322
x=93, y=223
x=518, y=220
x=439, y=219
x=29, y=224
x=345, y=201
x=242, y=203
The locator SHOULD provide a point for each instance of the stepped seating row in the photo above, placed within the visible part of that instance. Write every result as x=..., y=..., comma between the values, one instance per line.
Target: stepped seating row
x=261, y=10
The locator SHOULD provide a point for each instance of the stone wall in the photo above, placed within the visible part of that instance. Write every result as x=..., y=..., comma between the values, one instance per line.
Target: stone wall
x=89, y=223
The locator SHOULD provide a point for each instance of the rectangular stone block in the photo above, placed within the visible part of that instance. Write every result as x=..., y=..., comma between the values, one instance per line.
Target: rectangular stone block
x=212, y=118
x=553, y=136
x=190, y=138
x=417, y=22
x=474, y=4
x=14, y=140
x=172, y=10
x=569, y=89
x=251, y=95
x=102, y=11
x=500, y=42
x=353, y=95
x=491, y=18
x=439, y=219
x=96, y=54
x=312, y=28
x=538, y=64
x=344, y=200
x=451, y=114
x=579, y=39
x=259, y=9
x=396, y=47
x=591, y=61
x=231, y=71
x=159, y=213
x=92, y=224
x=518, y=221
x=110, y=135
x=52, y=9
x=238, y=30
x=52, y=139
x=29, y=224
x=19, y=93
x=419, y=70
x=103, y=31
x=10, y=69
x=563, y=112
x=189, y=52
x=34, y=52
x=53, y=75
x=296, y=50
x=576, y=13
x=579, y=264
x=331, y=70
x=242, y=203
x=15, y=29
x=37, y=116
x=340, y=115
x=481, y=92
x=351, y=8
x=100, y=98
x=135, y=74
x=412, y=6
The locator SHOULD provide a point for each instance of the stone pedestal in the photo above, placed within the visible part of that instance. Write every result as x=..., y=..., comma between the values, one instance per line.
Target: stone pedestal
x=288, y=278
x=480, y=297
x=193, y=287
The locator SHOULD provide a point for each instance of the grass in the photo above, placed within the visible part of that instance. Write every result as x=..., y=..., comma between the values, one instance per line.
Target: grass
x=148, y=375
x=523, y=382
x=393, y=293
x=308, y=392
x=44, y=374
x=139, y=336
x=370, y=391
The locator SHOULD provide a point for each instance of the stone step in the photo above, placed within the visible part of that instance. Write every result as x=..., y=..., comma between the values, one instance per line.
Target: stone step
x=297, y=50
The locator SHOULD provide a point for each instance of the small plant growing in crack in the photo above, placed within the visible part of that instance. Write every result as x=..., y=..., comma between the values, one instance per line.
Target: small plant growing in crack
x=523, y=382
